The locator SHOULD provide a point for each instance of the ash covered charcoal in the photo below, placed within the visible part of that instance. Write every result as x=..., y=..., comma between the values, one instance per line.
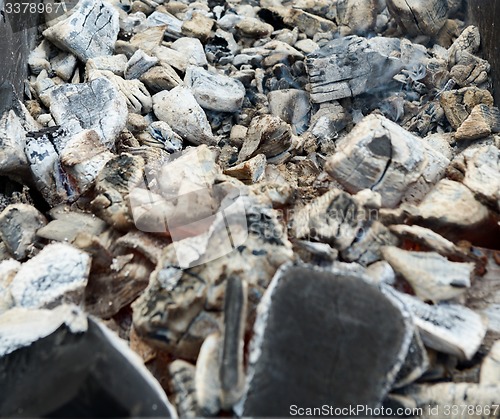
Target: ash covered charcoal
x=96, y=24
x=86, y=369
x=261, y=199
x=380, y=155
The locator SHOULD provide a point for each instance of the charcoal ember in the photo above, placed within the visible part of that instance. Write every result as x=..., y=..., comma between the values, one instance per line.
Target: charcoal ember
x=349, y=66
x=135, y=93
x=458, y=104
x=482, y=121
x=222, y=47
x=96, y=105
x=415, y=365
x=199, y=26
x=374, y=353
x=419, y=17
x=170, y=306
x=59, y=273
x=13, y=141
x=231, y=373
x=470, y=70
x=112, y=188
x=326, y=124
x=66, y=225
x=432, y=276
x=468, y=41
x=213, y=91
x=38, y=59
x=138, y=64
x=164, y=18
x=207, y=376
x=446, y=327
x=115, y=285
x=115, y=63
x=292, y=106
x=179, y=108
x=270, y=54
x=253, y=28
x=268, y=135
x=306, y=45
x=159, y=78
x=148, y=39
x=490, y=366
x=250, y=171
x=342, y=221
x=431, y=240
x=308, y=23
x=74, y=355
x=450, y=207
x=96, y=24
x=357, y=17
x=161, y=131
x=182, y=375
x=18, y=226
x=191, y=49
x=380, y=155
x=82, y=159
x=49, y=178
x=64, y=65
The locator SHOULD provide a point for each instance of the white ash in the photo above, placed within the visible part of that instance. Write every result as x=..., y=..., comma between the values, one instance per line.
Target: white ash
x=179, y=108
x=59, y=273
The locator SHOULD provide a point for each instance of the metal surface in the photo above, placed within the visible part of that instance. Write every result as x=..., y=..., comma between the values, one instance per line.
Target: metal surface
x=486, y=15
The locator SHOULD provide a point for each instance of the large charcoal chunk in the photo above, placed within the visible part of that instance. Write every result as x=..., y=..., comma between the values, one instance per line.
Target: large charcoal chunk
x=350, y=66
x=417, y=17
x=380, y=155
x=323, y=339
x=96, y=105
x=88, y=33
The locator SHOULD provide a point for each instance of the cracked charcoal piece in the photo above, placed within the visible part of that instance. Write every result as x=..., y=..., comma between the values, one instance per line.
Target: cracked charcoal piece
x=96, y=24
x=380, y=155
x=96, y=105
x=322, y=338
x=481, y=167
x=350, y=66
